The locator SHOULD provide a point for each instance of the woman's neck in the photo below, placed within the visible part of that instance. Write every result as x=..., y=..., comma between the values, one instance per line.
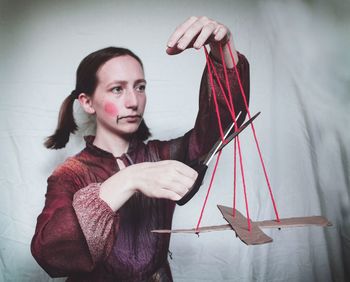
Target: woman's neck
x=111, y=143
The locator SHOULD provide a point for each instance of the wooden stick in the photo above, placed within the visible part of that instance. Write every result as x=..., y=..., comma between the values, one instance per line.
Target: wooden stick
x=295, y=222
x=193, y=230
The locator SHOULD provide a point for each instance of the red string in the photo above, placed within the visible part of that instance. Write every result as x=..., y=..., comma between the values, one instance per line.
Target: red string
x=211, y=81
x=228, y=104
x=236, y=128
x=214, y=94
x=235, y=142
x=227, y=83
x=244, y=185
x=206, y=197
x=234, y=178
x=254, y=133
x=211, y=66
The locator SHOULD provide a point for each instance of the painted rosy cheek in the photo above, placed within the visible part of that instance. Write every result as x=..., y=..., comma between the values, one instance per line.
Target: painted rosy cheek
x=111, y=109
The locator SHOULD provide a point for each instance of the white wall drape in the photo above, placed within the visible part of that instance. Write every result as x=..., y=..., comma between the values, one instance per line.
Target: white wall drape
x=300, y=81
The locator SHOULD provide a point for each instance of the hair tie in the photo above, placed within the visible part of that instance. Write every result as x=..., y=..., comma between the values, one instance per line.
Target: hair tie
x=74, y=94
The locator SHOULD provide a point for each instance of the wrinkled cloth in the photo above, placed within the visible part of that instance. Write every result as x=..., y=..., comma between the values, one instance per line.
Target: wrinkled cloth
x=78, y=235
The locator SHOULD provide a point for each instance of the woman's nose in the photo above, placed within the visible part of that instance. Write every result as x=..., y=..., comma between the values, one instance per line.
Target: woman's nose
x=131, y=100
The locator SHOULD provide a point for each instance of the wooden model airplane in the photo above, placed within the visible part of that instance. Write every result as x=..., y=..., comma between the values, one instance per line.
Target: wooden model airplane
x=254, y=236
x=250, y=235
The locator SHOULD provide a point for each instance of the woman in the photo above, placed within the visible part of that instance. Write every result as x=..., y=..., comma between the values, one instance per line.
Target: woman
x=102, y=203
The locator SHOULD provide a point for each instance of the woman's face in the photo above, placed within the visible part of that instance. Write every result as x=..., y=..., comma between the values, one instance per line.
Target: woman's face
x=119, y=99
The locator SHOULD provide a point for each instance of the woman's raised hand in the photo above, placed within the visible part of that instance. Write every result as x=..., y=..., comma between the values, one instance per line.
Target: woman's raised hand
x=196, y=32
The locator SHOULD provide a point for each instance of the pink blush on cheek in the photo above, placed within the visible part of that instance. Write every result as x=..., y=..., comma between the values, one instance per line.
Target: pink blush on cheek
x=111, y=109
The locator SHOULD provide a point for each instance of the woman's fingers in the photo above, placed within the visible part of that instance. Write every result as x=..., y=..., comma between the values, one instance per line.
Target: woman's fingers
x=196, y=32
x=180, y=184
x=180, y=30
x=164, y=179
x=190, y=34
x=168, y=194
x=222, y=34
x=206, y=33
x=185, y=170
x=178, y=178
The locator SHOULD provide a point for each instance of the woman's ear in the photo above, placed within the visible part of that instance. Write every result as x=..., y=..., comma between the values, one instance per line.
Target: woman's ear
x=86, y=102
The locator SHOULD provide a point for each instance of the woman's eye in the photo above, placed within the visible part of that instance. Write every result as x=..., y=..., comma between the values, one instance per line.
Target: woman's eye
x=141, y=88
x=117, y=90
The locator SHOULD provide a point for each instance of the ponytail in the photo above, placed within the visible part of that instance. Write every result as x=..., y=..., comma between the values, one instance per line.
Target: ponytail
x=65, y=126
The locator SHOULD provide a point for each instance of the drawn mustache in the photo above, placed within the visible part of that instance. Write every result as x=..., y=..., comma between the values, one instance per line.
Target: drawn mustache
x=128, y=116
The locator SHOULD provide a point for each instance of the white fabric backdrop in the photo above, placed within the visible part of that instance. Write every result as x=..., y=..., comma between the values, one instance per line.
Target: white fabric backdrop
x=300, y=80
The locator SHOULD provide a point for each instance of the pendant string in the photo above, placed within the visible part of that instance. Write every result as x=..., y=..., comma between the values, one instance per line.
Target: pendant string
x=209, y=188
x=214, y=94
x=229, y=103
x=211, y=82
x=211, y=68
x=236, y=128
x=238, y=145
x=254, y=133
x=234, y=177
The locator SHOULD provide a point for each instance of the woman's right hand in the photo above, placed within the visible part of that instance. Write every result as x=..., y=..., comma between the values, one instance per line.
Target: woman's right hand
x=164, y=179
x=167, y=179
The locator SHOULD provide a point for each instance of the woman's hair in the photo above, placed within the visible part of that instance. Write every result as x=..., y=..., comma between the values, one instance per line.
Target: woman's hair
x=86, y=82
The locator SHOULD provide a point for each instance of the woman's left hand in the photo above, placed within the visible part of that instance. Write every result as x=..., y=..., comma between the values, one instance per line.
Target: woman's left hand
x=195, y=32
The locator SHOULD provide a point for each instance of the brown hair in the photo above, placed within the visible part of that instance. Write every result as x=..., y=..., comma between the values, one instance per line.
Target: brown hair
x=86, y=82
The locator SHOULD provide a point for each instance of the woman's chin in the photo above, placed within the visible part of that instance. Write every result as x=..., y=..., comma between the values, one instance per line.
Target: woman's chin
x=129, y=130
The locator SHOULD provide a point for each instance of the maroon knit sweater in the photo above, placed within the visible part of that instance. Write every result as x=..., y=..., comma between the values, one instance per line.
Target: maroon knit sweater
x=79, y=236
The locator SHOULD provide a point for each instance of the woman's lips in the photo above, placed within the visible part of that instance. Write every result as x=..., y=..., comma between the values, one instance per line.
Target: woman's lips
x=130, y=118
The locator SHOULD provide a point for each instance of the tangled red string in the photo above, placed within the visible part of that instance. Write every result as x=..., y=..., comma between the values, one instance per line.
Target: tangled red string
x=230, y=106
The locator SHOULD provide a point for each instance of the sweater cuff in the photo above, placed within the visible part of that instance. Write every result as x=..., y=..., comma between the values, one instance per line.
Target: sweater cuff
x=219, y=74
x=96, y=220
x=219, y=64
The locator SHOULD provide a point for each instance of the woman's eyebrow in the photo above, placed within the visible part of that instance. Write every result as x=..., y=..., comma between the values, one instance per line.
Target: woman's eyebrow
x=114, y=82
x=124, y=82
x=140, y=81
